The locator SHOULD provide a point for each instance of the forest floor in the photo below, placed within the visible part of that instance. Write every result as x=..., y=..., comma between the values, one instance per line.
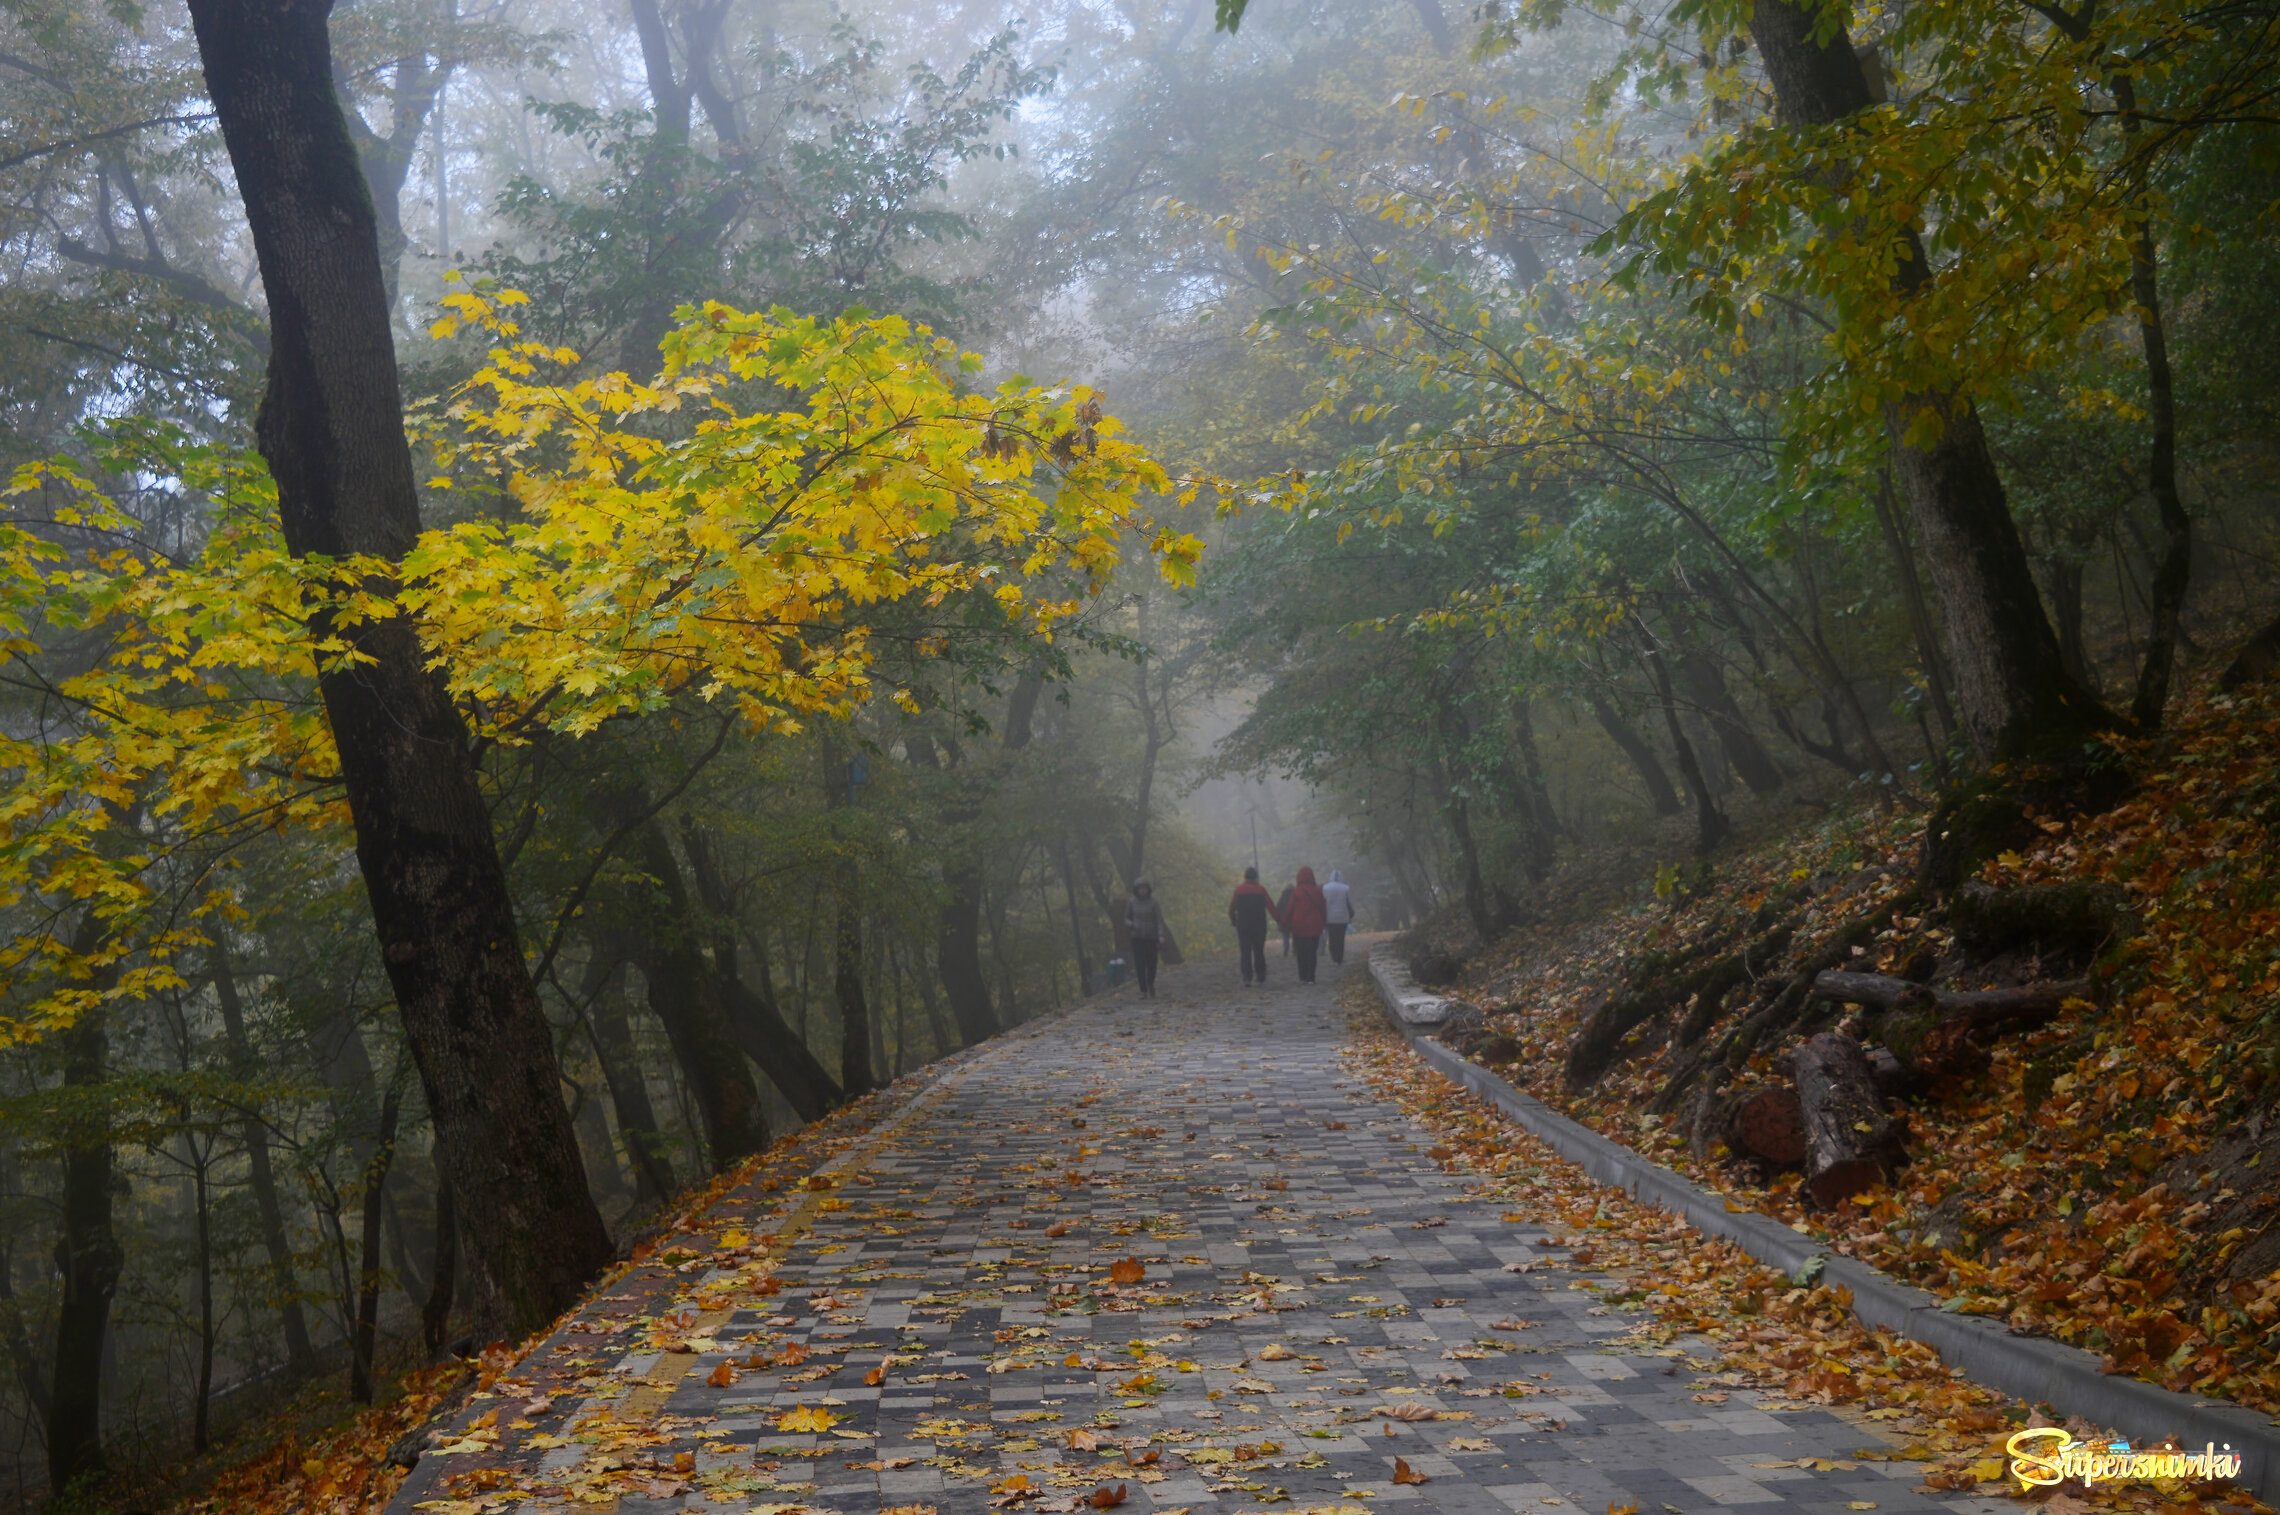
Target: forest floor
x=1225, y=1250
x=2103, y=1179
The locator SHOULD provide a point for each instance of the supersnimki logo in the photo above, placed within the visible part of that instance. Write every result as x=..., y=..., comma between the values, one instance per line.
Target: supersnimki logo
x=2049, y=1454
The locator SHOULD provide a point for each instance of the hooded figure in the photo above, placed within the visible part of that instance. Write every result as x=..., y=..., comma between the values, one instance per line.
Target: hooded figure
x=1144, y=918
x=1338, y=914
x=1305, y=917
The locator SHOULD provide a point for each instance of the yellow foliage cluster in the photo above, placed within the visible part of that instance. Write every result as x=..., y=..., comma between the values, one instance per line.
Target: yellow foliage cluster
x=740, y=529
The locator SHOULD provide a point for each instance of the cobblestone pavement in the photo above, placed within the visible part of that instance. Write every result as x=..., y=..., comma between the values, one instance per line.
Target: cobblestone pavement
x=1312, y=1289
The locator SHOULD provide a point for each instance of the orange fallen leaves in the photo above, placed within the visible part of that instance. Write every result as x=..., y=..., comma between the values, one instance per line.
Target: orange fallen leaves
x=1404, y=1473
x=1106, y=1498
x=1127, y=1270
x=876, y=1376
x=722, y=1376
x=2075, y=1184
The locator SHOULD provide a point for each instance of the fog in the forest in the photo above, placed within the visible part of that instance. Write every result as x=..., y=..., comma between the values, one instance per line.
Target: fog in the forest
x=1538, y=549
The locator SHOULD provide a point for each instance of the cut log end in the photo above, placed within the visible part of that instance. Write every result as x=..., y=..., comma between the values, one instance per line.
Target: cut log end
x=1768, y=1125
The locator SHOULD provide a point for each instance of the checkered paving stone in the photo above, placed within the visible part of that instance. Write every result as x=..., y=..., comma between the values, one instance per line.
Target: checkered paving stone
x=1313, y=1286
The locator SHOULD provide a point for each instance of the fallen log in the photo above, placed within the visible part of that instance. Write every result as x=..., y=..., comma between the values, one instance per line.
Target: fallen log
x=1983, y=1006
x=1932, y=1031
x=1851, y=1145
x=1767, y=1123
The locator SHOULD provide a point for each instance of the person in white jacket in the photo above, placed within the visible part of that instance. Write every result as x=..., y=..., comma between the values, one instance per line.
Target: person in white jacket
x=1339, y=896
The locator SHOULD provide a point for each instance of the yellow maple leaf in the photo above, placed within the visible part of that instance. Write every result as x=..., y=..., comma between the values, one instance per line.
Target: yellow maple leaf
x=805, y=1418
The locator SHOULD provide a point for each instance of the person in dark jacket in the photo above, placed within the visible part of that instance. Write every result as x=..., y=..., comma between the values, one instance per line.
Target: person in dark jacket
x=1144, y=918
x=1282, y=916
x=1303, y=918
x=1249, y=911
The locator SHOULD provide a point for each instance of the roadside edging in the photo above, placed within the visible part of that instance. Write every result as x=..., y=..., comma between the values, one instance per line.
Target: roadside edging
x=2034, y=1369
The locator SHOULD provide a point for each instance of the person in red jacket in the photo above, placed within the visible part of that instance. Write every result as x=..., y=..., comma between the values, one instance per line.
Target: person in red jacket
x=1248, y=912
x=1304, y=918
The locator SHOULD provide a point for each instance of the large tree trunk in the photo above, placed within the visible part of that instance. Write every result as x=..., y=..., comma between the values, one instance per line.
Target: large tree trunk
x=88, y=1257
x=2014, y=689
x=331, y=429
x=300, y=1355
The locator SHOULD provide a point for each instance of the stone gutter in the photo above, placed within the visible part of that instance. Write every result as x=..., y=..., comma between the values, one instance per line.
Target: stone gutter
x=2030, y=1368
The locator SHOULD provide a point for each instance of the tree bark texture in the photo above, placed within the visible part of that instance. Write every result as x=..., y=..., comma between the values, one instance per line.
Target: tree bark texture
x=331, y=430
x=88, y=1257
x=1851, y=1144
x=2015, y=692
x=435, y=1310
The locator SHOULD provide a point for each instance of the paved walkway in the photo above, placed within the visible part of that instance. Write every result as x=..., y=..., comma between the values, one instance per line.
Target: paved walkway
x=1310, y=1280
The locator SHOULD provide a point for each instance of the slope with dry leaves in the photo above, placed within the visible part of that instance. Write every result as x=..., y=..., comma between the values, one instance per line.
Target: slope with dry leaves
x=1771, y=1335
x=2104, y=1179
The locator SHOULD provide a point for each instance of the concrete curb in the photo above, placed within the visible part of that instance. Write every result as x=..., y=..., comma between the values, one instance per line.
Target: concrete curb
x=2033, y=1369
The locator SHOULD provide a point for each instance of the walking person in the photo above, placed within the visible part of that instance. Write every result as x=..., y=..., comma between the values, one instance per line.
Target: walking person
x=1303, y=919
x=1282, y=916
x=1249, y=912
x=1144, y=920
x=1337, y=914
